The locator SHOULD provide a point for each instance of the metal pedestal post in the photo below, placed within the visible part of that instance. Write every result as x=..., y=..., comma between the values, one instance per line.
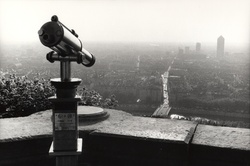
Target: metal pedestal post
x=66, y=145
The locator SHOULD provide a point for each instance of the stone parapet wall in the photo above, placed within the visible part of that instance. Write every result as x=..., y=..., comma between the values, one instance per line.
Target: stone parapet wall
x=123, y=139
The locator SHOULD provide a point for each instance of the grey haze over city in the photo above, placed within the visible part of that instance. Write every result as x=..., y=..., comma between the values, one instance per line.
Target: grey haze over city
x=157, y=57
x=176, y=21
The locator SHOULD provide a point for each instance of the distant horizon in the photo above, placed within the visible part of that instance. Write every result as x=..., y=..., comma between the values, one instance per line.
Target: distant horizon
x=245, y=46
x=209, y=43
x=208, y=47
x=134, y=41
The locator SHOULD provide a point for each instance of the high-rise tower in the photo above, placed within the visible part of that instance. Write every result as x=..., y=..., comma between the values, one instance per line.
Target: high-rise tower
x=198, y=47
x=220, y=46
x=138, y=63
x=187, y=50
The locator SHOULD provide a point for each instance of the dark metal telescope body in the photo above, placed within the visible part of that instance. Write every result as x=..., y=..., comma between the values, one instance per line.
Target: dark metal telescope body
x=66, y=45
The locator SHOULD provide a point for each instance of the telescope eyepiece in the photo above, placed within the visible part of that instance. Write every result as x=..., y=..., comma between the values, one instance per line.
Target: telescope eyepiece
x=50, y=34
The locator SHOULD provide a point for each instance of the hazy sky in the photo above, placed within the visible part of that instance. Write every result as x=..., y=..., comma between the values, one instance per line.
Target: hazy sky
x=130, y=20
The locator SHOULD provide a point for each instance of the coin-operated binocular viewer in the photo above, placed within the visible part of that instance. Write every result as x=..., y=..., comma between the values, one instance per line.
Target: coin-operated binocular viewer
x=66, y=48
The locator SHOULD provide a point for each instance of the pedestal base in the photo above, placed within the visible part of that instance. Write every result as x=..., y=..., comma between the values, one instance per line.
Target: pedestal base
x=91, y=114
x=67, y=153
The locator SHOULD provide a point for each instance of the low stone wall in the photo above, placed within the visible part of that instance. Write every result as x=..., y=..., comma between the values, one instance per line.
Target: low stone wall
x=123, y=139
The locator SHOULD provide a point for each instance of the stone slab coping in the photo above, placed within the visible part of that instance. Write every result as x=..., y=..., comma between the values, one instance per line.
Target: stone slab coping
x=122, y=124
x=119, y=123
x=155, y=129
x=34, y=126
x=224, y=137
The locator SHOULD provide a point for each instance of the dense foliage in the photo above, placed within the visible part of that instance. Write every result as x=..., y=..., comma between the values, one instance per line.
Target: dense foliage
x=93, y=98
x=20, y=96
